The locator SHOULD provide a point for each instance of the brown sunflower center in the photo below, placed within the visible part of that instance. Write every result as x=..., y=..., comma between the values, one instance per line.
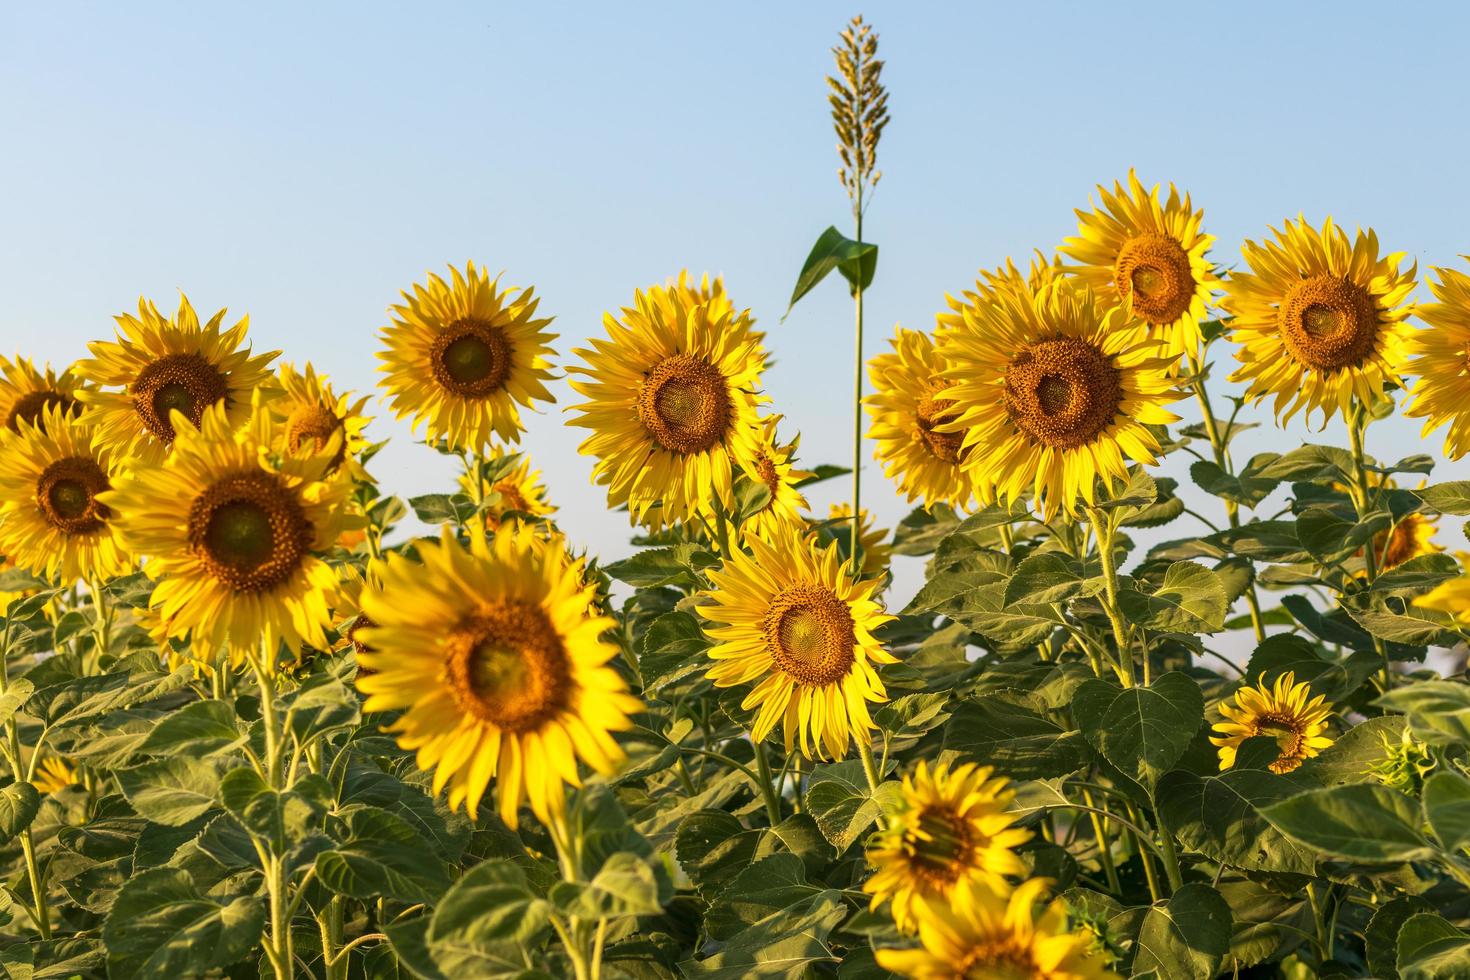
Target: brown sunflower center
x=249, y=531
x=1153, y=271
x=314, y=424
x=932, y=411
x=508, y=667
x=187, y=383
x=810, y=634
x=684, y=403
x=765, y=468
x=359, y=622
x=1062, y=392
x=941, y=847
x=31, y=406
x=1002, y=957
x=1288, y=732
x=471, y=358
x=67, y=495
x=1328, y=322
x=1403, y=542
x=511, y=497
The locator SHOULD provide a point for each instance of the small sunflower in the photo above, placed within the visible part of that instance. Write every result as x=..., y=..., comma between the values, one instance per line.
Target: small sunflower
x=462, y=355
x=51, y=521
x=908, y=407
x=497, y=655
x=952, y=826
x=1052, y=391
x=672, y=405
x=1442, y=392
x=310, y=413
x=165, y=365
x=26, y=393
x=1285, y=711
x=518, y=490
x=230, y=531
x=53, y=775
x=772, y=466
x=988, y=933
x=1411, y=537
x=1318, y=318
x=871, y=539
x=793, y=620
x=1149, y=257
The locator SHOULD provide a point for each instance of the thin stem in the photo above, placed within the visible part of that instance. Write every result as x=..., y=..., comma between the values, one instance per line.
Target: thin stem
x=1357, y=428
x=39, y=912
x=768, y=788
x=276, y=880
x=1142, y=838
x=857, y=398
x=1103, y=525
x=870, y=768
x=1171, y=857
x=1104, y=845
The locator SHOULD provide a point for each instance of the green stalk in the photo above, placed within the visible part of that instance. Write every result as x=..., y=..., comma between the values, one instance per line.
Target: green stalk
x=276, y=879
x=1104, y=845
x=1357, y=427
x=857, y=399
x=870, y=768
x=1104, y=527
x=39, y=912
x=768, y=787
x=1149, y=874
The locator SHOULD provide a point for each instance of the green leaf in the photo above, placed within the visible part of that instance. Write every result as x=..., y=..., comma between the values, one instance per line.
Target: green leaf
x=1332, y=533
x=1219, y=816
x=1141, y=730
x=833, y=250
x=322, y=708
x=1191, y=599
x=1419, y=574
x=1438, y=711
x=15, y=697
x=839, y=800
x=443, y=508
x=1018, y=742
x=672, y=649
x=922, y=530
x=677, y=566
x=1140, y=491
x=1311, y=464
x=1247, y=489
x=626, y=884
x=161, y=925
x=760, y=889
x=712, y=847
x=196, y=730
x=1361, y=822
x=381, y=855
x=1446, y=801
x=484, y=921
x=19, y=804
x=782, y=945
x=1448, y=498
x=1415, y=626
x=1382, y=933
x=171, y=791
x=1186, y=937
x=1050, y=577
x=1431, y=948
x=1270, y=541
x=751, y=497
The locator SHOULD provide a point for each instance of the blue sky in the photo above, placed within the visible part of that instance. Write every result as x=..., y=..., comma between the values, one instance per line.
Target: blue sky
x=304, y=162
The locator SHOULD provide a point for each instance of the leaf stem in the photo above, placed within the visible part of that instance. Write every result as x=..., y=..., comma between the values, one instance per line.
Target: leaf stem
x=870, y=768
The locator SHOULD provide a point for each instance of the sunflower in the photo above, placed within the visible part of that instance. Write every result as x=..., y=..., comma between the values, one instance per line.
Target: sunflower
x=1149, y=257
x=1283, y=712
x=791, y=618
x=1442, y=392
x=672, y=405
x=1318, y=318
x=229, y=532
x=310, y=413
x=1451, y=597
x=51, y=521
x=53, y=774
x=871, y=540
x=908, y=406
x=772, y=466
x=497, y=654
x=517, y=490
x=1051, y=391
x=26, y=393
x=1411, y=537
x=988, y=932
x=462, y=355
x=165, y=365
x=951, y=826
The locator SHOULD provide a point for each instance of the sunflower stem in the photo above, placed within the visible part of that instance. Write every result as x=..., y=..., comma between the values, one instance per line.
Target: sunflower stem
x=1103, y=525
x=276, y=876
x=768, y=786
x=1139, y=838
x=1104, y=845
x=1357, y=429
x=857, y=400
x=870, y=768
x=1171, y=857
x=39, y=912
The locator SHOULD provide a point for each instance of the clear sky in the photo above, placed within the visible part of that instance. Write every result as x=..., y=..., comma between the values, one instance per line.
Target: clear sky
x=304, y=162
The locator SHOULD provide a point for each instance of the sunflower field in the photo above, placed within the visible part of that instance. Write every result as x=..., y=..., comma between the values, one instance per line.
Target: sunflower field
x=264, y=718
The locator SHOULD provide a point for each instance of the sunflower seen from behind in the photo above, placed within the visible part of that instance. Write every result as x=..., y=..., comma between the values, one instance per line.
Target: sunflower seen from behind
x=792, y=621
x=310, y=413
x=461, y=358
x=951, y=826
x=1318, y=318
x=990, y=933
x=909, y=409
x=495, y=655
x=26, y=393
x=672, y=398
x=231, y=528
x=52, y=521
x=1053, y=391
x=1440, y=395
x=1150, y=257
x=1285, y=711
x=160, y=365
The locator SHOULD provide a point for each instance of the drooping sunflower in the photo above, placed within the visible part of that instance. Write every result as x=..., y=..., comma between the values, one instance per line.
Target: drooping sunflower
x=1318, y=318
x=461, y=356
x=908, y=406
x=518, y=490
x=1052, y=392
x=673, y=396
x=310, y=413
x=792, y=620
x=26, y=393
x=496, y=653
x=951, y=826
x=53, y=774
x=1286, y=711
x=230, y=532
x=1442, y=392
x=51, y=520
x=997, y=933
x=873, y=540
x=772, y=466
x=163, y=365
x=1149, y=257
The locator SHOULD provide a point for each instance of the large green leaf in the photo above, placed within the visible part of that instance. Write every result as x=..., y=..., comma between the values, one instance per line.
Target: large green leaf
x=626, y=884
x=1431, y=948
x=482, y=925
x=1381, y=936
x=381, y=855
x=843, y=806
x=1438, y=711
x=198, y=729
x=161, y=925
x=1446, y=800
x=1219, y=817
x=672, y=649
x=712, y=847
x=1361, y=822
x=1248, y=488
x=1017, y=741
x=171, y=791
x=1141, y=730
x=760, y=889
x=1191, y=599
x=19, y=803
x=1447, y=498
x=856, y=261
x=1185, y=938
x=784, y=944
x=1050, y=577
